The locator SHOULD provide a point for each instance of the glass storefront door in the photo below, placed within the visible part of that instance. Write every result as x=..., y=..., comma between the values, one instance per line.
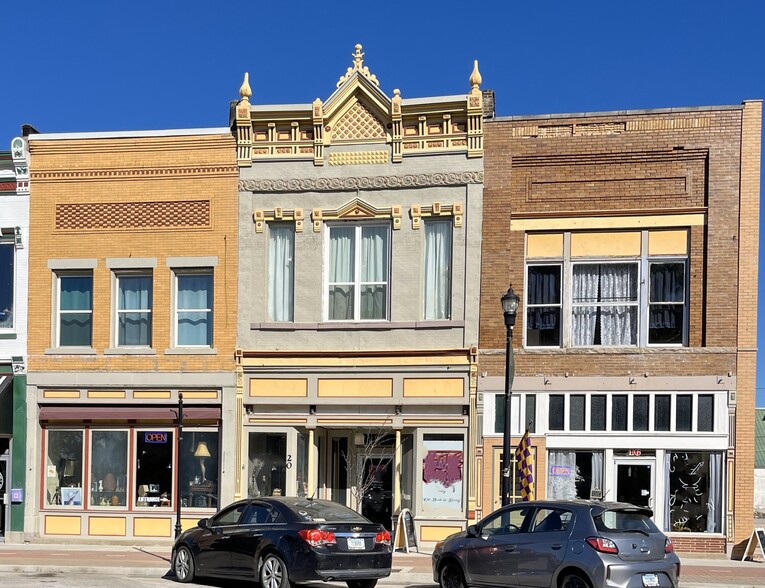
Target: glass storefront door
x=635, y=481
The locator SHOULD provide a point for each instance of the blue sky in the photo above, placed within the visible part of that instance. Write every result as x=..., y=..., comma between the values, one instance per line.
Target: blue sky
x=99, y=66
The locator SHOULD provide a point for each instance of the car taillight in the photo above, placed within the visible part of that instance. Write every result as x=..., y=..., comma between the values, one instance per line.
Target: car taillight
x=317, y=537
x=668, y=547
x=383, y=537
x=602, y=544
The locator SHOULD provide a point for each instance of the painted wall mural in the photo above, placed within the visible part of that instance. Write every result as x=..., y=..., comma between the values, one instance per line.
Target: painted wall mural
x=442, y=473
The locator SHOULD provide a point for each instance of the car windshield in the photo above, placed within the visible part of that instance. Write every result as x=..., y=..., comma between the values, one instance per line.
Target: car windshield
x=624, y=520
x=319, y=512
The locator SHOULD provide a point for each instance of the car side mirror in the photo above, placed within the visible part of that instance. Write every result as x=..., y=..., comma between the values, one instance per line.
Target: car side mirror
x=203, y=523
x=472, y=531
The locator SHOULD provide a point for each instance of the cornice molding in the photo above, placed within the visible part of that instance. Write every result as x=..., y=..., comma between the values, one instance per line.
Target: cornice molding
x=361, y=182
x=138, y=173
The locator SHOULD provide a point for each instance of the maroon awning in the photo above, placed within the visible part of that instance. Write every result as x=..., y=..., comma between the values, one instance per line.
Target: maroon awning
x=136, y=414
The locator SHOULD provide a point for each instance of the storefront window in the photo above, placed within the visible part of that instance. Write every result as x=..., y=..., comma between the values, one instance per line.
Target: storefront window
x=63, y=476
x=108, y=468
x=574, y=474
x=301, y=464
x=267, y=468
x=154, y=468
x=442, y=475
x=407, y=462
x=694, y=501
x=200, y=465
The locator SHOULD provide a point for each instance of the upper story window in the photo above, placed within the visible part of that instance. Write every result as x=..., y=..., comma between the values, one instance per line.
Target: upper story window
x=437, y=265
x=281, y=271
x=74, y=309
x=193, y=308
x=134, y=305
x=7, y=282
x=607, y=289
x=358, y=263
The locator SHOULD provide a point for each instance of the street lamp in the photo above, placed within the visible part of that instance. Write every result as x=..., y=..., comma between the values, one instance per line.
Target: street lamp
x=509, y=309
x=178, y=468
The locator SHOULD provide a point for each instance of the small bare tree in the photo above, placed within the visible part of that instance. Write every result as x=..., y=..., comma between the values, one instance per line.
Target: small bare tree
x=359, y=464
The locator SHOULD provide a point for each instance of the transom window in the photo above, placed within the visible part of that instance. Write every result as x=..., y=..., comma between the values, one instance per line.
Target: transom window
x=75, y=310
x=677, y=412
x=358, y=272
x=134, y=301
x=639, y=300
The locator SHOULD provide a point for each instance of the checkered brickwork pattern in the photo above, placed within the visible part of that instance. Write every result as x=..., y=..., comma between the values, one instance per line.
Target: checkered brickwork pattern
x=124, y=215
x=358, y=123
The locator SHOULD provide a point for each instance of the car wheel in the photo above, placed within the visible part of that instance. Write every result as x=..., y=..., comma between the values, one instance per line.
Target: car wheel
x=451, y=576
x=574, y=581
x=361, y=583
x=273, y=572
x=184, y=565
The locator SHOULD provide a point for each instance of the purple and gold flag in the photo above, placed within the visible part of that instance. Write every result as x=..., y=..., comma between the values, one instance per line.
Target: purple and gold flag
x=525, y=460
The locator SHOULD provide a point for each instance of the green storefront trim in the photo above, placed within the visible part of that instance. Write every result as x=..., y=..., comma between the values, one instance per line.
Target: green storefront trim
x=18, y=456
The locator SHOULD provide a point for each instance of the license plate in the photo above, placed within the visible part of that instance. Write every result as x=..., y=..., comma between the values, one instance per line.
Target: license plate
x=358, y=543
x=650, y=580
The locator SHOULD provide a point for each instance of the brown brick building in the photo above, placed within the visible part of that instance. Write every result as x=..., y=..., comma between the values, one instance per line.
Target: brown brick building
x=133, y=280
x=632, y=240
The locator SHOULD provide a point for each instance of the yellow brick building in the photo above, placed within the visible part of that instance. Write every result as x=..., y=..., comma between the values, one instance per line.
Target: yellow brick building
x=133, y=283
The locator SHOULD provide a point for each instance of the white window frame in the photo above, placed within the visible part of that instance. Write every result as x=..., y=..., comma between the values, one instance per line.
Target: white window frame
x=429, y=222
x=357, y=283
x=133, y=469
x=177, y=274
x=643, y=262
x=11, y=242
x=59, y=275
x=269, y=277
x=117, y=276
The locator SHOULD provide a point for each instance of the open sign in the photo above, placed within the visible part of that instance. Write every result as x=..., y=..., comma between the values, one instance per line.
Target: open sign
x=156, y=437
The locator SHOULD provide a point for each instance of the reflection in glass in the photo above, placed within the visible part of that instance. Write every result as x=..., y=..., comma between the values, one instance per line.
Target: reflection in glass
x=694, y=503
x=154, y=468
x=63, y=482
x=108, y=468
x=199, y=461
x=267, y=467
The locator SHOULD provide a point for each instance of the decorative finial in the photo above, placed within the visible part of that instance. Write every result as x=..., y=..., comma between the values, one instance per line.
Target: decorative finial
x=397, y=92
x=245, y=91
x=358, y=66
x=475, y=77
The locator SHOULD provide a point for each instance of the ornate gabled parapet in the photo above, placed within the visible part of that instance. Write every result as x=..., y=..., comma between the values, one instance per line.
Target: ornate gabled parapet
x=244, y=125
x=395, y=115
x=475, y=114
x=358, y=66
x=20, y=164
x=317, y=109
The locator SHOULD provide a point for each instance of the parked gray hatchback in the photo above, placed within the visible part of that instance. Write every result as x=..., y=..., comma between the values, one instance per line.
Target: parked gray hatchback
x=559, y=544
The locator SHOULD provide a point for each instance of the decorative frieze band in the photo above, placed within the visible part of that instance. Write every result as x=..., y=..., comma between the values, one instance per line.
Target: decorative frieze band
x=361, y=183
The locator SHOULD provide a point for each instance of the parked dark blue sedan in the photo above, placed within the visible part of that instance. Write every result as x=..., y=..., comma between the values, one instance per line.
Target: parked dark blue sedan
x=278, y=540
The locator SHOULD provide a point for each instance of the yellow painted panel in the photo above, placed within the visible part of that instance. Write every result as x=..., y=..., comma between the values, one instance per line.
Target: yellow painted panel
x=434, y=387
x=57, y=525
x=187, y=524
x=200, y=395
x=366, y=388
x=342, y=362
x=605, y=244
x=545, y=245
x=362, y=422
x=668, y=243
x=145, y=527
x=61, y=394
x=106, y=394
x=609, y=222
x=428, y=533
x=114, y=526
x=291, y=387
x=151, y=394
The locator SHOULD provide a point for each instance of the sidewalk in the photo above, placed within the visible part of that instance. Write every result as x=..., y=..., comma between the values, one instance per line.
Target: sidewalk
x=154, y=561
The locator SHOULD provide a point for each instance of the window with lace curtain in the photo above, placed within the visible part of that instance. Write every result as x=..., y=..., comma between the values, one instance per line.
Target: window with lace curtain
x=635, y=302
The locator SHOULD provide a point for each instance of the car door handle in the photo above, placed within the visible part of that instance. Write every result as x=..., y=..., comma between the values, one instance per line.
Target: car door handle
x=556, y=546
x=510, y=548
